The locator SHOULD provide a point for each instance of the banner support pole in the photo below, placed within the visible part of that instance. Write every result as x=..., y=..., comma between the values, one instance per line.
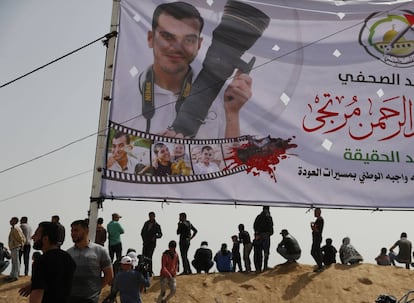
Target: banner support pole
x=96, y=200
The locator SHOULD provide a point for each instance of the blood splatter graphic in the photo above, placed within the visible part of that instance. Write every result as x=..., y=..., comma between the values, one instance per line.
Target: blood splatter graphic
x=260, y=155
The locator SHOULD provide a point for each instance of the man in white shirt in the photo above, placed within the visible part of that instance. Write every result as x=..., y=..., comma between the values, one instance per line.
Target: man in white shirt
x=27, y=231
x=175, y=41
x=119, y=159
x=205, y=165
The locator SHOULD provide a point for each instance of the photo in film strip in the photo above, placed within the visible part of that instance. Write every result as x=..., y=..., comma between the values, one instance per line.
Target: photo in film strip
x=139, y=157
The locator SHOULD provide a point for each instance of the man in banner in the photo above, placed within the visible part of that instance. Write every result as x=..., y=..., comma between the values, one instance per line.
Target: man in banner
x=175, y=41
x=119, y=160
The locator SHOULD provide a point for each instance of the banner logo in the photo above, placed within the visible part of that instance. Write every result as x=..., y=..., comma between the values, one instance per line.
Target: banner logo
x=390, y=38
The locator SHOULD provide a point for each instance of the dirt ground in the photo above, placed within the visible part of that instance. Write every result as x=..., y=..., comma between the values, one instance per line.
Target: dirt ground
x=296, y=283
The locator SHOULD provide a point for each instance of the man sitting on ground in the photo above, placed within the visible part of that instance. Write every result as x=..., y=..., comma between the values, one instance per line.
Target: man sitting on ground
x=223, y=259
x=404, y=253
x=289, y=247
x=4, y=254
x=203, y=258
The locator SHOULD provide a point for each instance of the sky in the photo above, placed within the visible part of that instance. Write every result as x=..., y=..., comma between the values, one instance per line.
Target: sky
x=57, y=108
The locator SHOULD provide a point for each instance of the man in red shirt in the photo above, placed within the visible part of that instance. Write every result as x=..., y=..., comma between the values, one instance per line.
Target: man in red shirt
x=169, y=269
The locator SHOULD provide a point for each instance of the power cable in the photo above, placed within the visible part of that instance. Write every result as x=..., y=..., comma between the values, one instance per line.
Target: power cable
x=114, y=34
x=107, y=36
x=44, y=186
x=48, y=153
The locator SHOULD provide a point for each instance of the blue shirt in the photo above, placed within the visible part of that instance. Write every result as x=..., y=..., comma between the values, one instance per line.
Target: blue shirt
x=129, y=284
x=223, y=261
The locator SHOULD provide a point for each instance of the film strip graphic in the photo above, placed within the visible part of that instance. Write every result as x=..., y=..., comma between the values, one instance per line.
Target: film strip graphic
x=152, y=137
x=146, y=174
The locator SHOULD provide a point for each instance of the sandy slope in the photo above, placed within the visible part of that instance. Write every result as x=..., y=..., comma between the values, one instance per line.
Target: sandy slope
x=284, y=283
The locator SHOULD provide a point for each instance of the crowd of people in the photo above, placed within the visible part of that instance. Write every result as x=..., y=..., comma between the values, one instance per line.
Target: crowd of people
x=78, y=274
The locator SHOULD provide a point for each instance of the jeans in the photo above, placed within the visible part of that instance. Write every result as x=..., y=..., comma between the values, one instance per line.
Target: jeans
x=115, y=250
x=316, y=251
x=257, y=256
x=266, y=248
x=148, y=251
x=288, y=256
x=247, y=248
x=164, y=284
x=184, y=246
x=14, y=252
x=394, y=257
x=26, y=254
x=3, y=265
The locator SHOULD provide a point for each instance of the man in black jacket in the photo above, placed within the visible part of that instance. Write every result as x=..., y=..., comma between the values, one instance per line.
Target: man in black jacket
x=203, y=258
x=187, y=232
x=263, y=228
x=150, y=232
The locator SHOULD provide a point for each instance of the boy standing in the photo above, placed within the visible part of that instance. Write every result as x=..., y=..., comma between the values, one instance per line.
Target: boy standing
x=169, y=269
x=236, y=253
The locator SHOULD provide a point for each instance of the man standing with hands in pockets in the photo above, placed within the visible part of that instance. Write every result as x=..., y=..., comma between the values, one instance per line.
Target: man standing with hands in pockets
x=317, y=228
x=184, y=230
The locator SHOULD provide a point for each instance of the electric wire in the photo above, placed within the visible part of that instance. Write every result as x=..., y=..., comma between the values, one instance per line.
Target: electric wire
x=48, y=153
x=44, y=186
x=107, y=36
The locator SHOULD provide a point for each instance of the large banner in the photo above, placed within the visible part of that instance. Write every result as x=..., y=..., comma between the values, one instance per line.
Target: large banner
x=292, y=103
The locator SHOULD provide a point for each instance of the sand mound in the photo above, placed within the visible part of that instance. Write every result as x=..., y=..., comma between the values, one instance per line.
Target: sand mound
x=283, y=283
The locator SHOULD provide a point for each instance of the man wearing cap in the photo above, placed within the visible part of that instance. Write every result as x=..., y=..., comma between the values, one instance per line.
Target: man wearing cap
x=203, y=258
x=115, y=230
x=129, y=282
x=289, y=247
